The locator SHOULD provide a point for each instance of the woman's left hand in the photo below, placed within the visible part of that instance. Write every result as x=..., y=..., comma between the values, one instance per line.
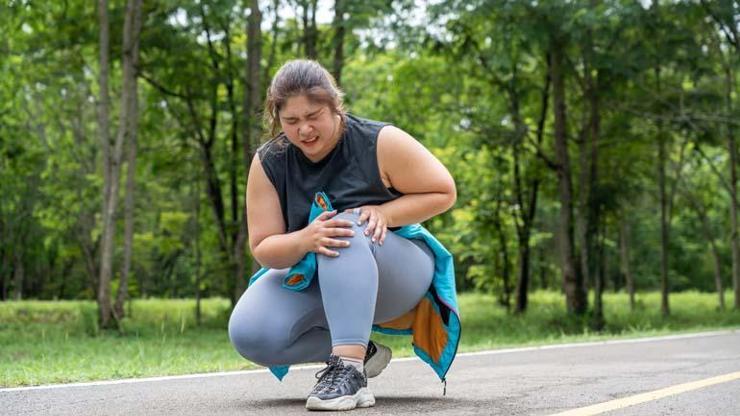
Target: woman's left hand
x=377, y=221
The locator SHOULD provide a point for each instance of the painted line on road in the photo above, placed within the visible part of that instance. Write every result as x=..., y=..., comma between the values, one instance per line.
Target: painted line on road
x=649, y=396
x=598, y=343
x=319, y=366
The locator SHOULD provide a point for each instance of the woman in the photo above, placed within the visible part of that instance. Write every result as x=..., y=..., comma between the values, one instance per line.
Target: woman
x=379, y=178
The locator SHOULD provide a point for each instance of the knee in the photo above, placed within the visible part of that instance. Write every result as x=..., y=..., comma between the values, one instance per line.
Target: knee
x=252, y=339
x=359, y=237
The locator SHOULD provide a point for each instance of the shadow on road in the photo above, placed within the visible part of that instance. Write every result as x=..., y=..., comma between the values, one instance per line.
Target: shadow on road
x=406, y=403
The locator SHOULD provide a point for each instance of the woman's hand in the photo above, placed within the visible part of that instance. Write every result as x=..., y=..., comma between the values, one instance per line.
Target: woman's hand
x=377, y=221
x=319, y=235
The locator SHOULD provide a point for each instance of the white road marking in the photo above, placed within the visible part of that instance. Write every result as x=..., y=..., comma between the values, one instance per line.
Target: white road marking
x=318, y=366
x=649, y=396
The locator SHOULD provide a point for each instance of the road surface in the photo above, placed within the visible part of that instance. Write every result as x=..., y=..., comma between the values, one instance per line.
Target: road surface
x=696, y=374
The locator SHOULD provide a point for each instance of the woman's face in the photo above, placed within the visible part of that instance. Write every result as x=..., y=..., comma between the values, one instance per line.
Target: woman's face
x=310, y=126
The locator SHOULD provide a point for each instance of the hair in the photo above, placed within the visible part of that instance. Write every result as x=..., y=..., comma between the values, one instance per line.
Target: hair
x=301, y=77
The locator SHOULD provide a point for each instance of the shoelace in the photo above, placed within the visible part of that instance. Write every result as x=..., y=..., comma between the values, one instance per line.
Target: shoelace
x=326, y=375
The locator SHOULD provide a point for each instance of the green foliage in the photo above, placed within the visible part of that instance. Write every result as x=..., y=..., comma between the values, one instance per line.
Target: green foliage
x=467, y=79
x=55, y=342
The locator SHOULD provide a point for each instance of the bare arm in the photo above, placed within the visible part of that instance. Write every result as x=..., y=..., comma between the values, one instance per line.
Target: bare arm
x=413, y=170
x=269, y=243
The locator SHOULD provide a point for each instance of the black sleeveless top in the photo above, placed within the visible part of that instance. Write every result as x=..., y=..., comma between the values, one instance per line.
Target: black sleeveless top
x=348, y=175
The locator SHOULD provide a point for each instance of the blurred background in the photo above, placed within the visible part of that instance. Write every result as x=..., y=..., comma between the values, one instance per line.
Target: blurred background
x=593, y=144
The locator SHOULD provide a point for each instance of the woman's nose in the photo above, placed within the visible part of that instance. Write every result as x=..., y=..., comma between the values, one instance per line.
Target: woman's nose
x=304, y=130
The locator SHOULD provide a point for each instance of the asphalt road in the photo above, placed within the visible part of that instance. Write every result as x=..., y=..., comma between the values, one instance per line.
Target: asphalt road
x=529, y=381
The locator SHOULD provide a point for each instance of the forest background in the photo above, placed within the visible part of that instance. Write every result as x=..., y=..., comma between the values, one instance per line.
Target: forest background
x=593, y=142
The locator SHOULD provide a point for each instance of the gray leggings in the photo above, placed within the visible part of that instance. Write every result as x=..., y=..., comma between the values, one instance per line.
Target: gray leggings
x=366, y=284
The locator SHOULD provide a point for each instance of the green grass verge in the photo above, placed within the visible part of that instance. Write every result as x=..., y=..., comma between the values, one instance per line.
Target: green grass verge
x=59, y=342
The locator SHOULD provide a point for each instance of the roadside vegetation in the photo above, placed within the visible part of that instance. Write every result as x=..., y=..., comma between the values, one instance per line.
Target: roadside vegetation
x=60, y=342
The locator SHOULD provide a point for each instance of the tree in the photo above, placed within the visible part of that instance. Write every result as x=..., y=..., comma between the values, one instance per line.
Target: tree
x=130, y=83
x=112, y=155
x=251, y=130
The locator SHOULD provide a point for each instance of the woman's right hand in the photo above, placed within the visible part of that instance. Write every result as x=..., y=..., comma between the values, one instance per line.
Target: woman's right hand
x=319, y=235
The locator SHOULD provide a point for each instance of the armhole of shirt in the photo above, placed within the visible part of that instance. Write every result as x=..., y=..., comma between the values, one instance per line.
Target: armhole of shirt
x=377, y=157
x=266, y=157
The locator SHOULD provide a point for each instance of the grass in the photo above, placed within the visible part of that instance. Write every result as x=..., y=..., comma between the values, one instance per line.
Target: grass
x=59, y=342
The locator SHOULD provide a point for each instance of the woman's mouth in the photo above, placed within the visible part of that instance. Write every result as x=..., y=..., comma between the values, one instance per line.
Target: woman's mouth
x=311, y=140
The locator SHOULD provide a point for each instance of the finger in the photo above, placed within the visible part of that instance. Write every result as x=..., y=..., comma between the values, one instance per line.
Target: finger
x=336, y=222
x=326, y=215
x=333, y=242
x=371, y=225
x=378, y=232
x=329, y=253
x=382, y=236
x=339, y=232
x=364, y=215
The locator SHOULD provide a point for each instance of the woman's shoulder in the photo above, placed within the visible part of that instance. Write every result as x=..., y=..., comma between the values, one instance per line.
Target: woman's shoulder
x=364, y=129
x=274, y=148
x=364, y=123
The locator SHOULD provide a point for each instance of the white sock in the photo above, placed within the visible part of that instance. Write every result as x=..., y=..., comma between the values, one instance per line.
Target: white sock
x=358, y=364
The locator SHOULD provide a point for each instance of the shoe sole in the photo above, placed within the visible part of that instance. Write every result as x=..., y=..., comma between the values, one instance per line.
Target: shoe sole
x=363, y=398
x=379, y=361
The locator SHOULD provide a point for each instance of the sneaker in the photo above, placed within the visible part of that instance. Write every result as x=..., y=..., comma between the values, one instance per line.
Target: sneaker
x=339, y=387
x=377, y=357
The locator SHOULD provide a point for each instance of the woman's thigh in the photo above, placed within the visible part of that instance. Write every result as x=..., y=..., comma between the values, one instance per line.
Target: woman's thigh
x=404, y=269
x=274, y=317
x=405, y=272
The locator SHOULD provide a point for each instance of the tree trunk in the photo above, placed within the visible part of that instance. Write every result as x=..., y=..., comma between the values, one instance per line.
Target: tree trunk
x=528, y=212
x=213, y=190
x=664, y=232
x=196, y=249
x=724, y=16
x=18, y=273
x=229, y=81
x=732, y=162
x=103, y=289
x=90, y=255
x=523, y=220
x=66, y=270
x=339, y=31
x=597, y=320
x=114, y=156
x=718, y=275
x=624, y=256
x=522, y=283
x=576, y=300
x=542, y=269
x=701, y=212
x=505, y=269
x=588, y=209
x=310, y=33
x=3, y=271
x=273, y=41
x=252, y=104
x=130, y=65
x=583, y=223
x=86, y=217
x=122, y=296
x=661, y=166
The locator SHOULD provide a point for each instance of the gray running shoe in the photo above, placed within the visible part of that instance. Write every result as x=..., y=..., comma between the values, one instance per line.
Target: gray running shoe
x=339, y=387
x=377, y=357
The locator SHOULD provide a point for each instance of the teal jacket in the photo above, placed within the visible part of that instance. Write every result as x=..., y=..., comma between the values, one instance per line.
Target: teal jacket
x=434, y=324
